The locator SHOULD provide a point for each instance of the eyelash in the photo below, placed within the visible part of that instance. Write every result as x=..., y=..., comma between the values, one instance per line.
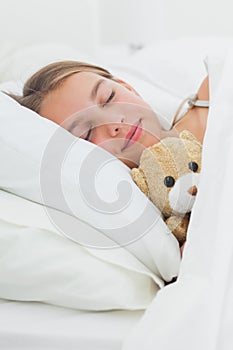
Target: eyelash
x=88, y=133
x=104, y=104
x=109, y=99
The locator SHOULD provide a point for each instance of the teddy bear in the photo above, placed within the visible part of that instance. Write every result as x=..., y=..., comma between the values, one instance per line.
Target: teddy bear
x=168, y=174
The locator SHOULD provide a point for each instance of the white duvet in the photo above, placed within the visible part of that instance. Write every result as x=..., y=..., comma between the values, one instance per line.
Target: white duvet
x=196, y=312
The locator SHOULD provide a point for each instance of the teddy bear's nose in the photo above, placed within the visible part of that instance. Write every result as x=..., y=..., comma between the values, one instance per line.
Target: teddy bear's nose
x=193, y=190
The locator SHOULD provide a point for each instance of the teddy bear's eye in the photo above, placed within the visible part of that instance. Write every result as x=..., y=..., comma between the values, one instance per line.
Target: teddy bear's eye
x=169, y=181
x=193, y=166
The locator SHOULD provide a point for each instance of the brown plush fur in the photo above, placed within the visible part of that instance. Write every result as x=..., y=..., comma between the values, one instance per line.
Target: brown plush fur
x=170, y=157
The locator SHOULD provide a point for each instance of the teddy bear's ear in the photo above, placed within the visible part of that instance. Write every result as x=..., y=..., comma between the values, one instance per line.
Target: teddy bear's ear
x=140, y=180
x=192, y=145
x=187, y=135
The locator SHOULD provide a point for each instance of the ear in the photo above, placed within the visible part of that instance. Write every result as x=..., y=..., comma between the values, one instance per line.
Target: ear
x=126, y=85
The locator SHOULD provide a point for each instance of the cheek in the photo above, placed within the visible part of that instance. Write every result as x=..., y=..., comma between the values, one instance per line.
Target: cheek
x=124, y=94
x=137, y=100
x=131, y=164
x=99, y=137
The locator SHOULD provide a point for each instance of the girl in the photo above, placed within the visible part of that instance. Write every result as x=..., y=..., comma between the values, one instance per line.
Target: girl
x=91, y=103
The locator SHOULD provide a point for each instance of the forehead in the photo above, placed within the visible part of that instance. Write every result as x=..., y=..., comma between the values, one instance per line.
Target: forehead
x=72, y=96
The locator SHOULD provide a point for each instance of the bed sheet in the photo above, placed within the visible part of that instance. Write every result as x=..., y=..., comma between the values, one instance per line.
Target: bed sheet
x=31, y=325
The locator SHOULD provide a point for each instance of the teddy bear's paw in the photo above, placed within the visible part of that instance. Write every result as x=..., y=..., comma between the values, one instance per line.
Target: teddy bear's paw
x=179, y=227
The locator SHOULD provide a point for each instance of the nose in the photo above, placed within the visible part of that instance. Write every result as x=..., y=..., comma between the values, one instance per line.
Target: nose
x=192, y=190
x=108, y=131
x=114, y=129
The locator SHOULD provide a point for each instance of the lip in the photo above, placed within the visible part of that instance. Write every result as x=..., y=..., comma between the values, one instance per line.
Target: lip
x=133, y=134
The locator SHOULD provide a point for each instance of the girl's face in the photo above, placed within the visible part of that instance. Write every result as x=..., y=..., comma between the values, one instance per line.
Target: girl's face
x=105, y=112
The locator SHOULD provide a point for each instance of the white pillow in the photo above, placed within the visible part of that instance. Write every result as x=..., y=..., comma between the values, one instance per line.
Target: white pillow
x=45, y=163
x=18, y=64
x=38, y=264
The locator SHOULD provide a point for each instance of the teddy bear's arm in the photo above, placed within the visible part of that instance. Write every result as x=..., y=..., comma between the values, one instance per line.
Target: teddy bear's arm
x=140, y=180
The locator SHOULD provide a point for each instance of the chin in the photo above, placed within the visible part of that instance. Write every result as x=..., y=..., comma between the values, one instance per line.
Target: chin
x=130, y=163
x=151, y=140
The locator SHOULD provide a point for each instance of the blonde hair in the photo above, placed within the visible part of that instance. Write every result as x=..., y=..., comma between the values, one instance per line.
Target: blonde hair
x=49, y=78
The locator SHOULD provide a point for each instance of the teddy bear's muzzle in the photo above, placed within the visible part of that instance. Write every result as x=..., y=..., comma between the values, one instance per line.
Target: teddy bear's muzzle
x=192, y=190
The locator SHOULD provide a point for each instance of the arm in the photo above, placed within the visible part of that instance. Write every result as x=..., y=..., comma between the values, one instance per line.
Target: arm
x=203, y=92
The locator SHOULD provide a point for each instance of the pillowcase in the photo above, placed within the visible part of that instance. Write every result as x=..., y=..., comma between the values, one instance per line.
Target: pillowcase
x=18, y=64
x=46, y=164
x=39, y=264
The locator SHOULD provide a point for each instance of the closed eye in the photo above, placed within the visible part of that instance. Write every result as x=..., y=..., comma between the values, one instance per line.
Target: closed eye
x=88, y=134
x=109, y=99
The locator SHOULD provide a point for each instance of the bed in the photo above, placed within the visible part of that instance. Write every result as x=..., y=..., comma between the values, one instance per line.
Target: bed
x=38, y=326
x=63, y=290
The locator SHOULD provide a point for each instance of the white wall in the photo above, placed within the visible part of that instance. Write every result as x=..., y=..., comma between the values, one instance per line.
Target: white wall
x=130, y=21
x=73, y=22
x=198, y=18
x=143, y=21
x=86, y=24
